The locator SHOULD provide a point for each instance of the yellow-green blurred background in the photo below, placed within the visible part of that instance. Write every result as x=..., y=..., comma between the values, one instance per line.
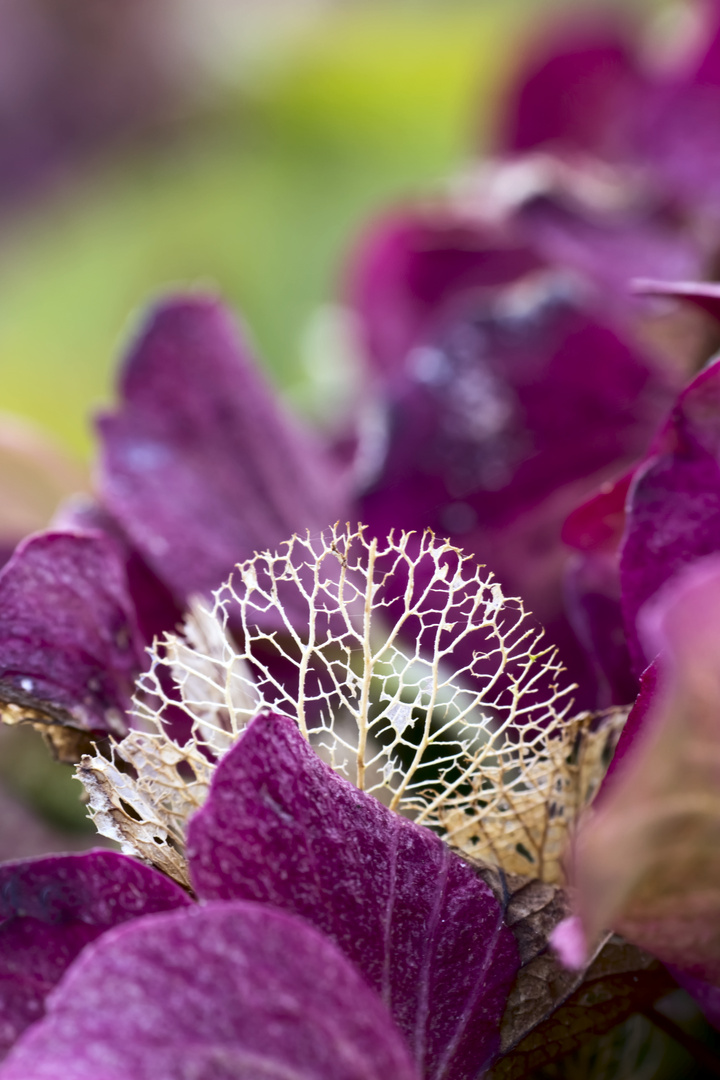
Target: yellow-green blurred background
x=302, y=119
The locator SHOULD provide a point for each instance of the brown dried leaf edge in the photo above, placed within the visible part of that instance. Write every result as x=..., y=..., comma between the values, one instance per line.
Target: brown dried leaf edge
x=551, y=1011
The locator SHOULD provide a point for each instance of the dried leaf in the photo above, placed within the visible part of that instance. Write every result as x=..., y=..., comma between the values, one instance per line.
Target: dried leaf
x=551, y=1010
x=122, y=811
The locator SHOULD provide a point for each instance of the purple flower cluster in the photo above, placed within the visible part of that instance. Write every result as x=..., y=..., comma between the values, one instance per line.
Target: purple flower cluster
x=310, y=892
x=531, y=408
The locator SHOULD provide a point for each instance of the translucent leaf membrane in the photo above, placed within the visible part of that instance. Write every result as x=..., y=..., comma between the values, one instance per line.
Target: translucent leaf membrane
x=483, y=752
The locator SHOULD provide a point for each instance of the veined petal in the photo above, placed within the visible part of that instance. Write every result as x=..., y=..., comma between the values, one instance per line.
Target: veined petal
x=51, y=908
x=673, y=506
x=282, y=828
x=70, y=648
x=224, y=990
x=201, y=466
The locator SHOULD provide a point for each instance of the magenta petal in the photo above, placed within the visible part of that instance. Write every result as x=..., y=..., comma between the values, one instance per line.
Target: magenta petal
x=645, y=863
x=576, y=90
x=598, y=524
x=634, y=726
x=226, y=990
x=155, y=608
x=499, y=411
x=673, y=507
x=592, y=590
x=703, y=294
x=281, y=828
x=500, y=425
x=681, y=141
x=68, y=635
x=201, y=466
x=51, y=908
x=410, y=266
x=593, y=604
x=610, y=248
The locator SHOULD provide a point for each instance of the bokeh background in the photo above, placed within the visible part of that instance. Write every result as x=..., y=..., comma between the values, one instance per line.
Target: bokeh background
x=238, y=144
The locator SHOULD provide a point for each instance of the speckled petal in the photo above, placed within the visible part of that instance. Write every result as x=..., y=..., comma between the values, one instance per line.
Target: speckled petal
x=69, y=640
x=201, y=466
x=51, y=908
x=221, y=992
x=280, y=827
x=646, y=862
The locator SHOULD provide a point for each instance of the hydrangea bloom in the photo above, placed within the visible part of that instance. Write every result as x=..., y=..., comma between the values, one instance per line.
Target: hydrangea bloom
x=250, y=813
x=317, y=929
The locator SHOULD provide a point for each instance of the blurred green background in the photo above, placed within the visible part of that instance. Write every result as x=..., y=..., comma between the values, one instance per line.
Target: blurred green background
x=257, y=190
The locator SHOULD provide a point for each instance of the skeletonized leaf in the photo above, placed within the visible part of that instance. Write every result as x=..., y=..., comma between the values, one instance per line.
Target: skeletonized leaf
x=481, y=751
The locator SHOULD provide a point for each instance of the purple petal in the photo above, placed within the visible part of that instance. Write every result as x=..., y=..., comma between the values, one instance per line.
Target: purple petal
x=703, y=294
x=155, y=608
x=51, y=908
x=576, y=89
x=502, y=424
x=225, y=990
x=598, y=524
x=201, y=466
x=593, y=604
x=70, y=648
x=679, y=133
x=281, y=828
x=592, y=590
x=411, y=266
x=609, y=246
x=634, y=726
x=568, y=941
x=673, y=508
x=513, y=408
x=707, y=996
x=646, y=862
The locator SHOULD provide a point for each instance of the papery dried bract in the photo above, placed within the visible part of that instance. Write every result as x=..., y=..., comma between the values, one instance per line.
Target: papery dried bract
x=145, y=809
x=484, y=754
